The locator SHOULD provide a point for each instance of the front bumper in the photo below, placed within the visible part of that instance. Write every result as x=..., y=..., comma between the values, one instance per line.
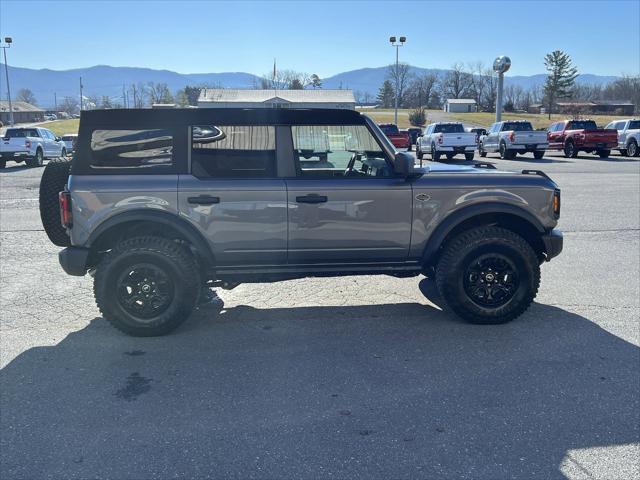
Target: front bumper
x=553, y=241
x=73, y=260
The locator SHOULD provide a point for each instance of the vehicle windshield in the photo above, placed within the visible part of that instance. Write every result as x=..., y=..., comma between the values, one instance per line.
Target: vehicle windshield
x=20, y=133
x=634, y=125
x=449, y=128
x=582, y=125
x=517, y=127
x=389, y=129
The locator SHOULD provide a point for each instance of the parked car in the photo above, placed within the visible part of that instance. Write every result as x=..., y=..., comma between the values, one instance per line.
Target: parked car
x=398, y=138
x=574, y=136
x=50, y=116
x=628, y=136
x=31, y=145
x=70, y=140
x=478, y=131
x=508, y=138
x=414, y=133
x=448, y=138
x=184, y=213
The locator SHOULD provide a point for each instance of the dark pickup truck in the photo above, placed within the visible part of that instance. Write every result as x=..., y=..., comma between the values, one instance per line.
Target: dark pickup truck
x=574, y=136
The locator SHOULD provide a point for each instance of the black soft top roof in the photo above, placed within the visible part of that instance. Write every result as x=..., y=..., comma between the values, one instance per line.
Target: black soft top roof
x=147, y=118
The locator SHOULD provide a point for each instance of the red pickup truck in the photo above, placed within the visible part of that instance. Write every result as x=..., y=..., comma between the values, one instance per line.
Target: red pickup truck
x=573, y=136
x=398, y=138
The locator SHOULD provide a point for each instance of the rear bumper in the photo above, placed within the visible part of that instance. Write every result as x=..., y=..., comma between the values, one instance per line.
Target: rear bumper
x=460, y=149
x=73, y=260
x=553, y=242
x=597, y=145
x=529, y=148
x=10, y=155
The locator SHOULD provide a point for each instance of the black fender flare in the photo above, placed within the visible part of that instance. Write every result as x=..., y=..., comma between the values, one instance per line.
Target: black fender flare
x=456, y=218
x=172, y=220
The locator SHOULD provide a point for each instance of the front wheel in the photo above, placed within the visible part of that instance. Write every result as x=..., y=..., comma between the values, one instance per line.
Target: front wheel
x=488, y=275
x=419, y=153
x=570, y=150
x=435, y=155
x=483, y=154
x=632, y=149
x=64, y=153
x=147, y=286
x=469, y=156
x=538, y=154
x=603, y=153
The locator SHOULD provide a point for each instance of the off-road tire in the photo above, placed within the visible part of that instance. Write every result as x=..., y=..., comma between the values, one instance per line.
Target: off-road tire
x=37, y=160
x=469, y=156
x=463, y=250
x=570, y=151
x=53, y=181
x=435, y=155
x=173, y=259
x=538, y=155
x=603, y=153
x=632, y=149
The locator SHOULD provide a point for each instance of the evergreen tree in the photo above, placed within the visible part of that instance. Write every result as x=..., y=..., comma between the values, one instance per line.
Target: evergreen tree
x=386, y=96
x=561, y=79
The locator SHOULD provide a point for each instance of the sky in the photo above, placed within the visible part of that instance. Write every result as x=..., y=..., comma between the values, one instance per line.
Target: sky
x=322, y=37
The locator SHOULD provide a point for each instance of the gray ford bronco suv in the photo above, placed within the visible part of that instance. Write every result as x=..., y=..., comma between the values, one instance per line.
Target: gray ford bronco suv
x=160, y=205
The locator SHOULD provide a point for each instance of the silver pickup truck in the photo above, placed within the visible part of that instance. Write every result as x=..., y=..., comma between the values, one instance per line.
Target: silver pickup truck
x=628, y=136
x=512, y=137
x=162, y=205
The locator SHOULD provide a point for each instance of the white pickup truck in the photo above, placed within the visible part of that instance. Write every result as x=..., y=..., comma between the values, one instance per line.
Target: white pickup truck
x=448, y=139
x=628, y=136
x=512, y=137
x=31, y=145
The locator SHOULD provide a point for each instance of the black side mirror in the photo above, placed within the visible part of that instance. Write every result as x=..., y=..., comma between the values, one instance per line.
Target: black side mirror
x=403, y=164
x=58, y=139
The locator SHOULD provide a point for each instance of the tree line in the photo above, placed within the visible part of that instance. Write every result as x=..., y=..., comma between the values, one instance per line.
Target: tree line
x=479, y=82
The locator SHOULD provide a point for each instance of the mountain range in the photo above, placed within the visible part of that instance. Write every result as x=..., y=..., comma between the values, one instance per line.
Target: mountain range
x=104, y=80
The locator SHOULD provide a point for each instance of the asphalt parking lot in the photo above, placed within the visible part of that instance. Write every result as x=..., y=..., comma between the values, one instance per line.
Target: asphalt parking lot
x=355, y=377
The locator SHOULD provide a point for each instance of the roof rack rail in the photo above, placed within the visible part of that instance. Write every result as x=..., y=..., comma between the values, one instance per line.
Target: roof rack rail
x=536, y=172
x=484, y=165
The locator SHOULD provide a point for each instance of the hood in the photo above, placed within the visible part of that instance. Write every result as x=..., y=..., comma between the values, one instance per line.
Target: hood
x=448, y=168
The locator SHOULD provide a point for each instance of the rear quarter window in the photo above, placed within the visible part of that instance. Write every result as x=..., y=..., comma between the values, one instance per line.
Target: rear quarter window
x=131, y=149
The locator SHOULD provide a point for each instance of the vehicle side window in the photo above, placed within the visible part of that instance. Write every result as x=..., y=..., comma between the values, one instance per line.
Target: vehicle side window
x=338, y=151
x=619, y=125
x=611, y=125
x=131, y=149
x=233, y=151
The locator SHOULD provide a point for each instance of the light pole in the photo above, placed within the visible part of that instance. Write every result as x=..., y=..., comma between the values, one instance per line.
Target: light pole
x=7, y=44
x=392, y=40
x=500, y=66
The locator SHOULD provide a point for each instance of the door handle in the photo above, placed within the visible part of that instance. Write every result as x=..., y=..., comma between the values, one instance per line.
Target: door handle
x=313, y=198
x=204, y=200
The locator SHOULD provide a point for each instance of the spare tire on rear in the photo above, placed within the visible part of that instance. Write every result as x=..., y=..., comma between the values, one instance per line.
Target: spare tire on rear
x=54, y=180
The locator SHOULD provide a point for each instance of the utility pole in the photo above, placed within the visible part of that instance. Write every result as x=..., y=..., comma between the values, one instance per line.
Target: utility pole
x=135, y=99
x=124, y=97
x=81, y=93
x=500, y=66
x=392, y=40
x=55, y=103
x=7, y=44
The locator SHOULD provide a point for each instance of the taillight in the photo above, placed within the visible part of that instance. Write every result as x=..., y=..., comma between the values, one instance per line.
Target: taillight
x=556, y=203
x=27, y=143
x=66, y=218
x=440, y=138
x=512, y=137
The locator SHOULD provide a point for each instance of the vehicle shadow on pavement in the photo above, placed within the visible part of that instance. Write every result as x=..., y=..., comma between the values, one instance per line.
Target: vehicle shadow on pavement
x=14, y=168
x=370, y=391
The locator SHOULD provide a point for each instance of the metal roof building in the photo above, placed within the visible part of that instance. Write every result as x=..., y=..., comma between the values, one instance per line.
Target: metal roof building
x=460, y=105
x=23, y=112
x=238, y=98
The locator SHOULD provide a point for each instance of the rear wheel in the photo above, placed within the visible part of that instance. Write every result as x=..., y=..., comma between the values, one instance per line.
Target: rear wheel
x=632, y=149
x=3, y=163
x=147, y=286
x=505, y=153
x=53, y=181
x=449, y=156
x=488, y=275
x=603, y=153
x=570, y=150
x=469, y=156
x=483, y=154
x=64, y=152
x=538, y=154
x=37, y=160
x=419, y=153
x=435, y=155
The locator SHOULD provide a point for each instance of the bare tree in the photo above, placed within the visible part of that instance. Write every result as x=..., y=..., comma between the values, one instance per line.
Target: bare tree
x=285, y=79
x=490, y=79
x=26, y=95
x=138, y=95
x=457, y=82
x=399, y=78
x=159, y=93
x=69, y=105
x=421, y=89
